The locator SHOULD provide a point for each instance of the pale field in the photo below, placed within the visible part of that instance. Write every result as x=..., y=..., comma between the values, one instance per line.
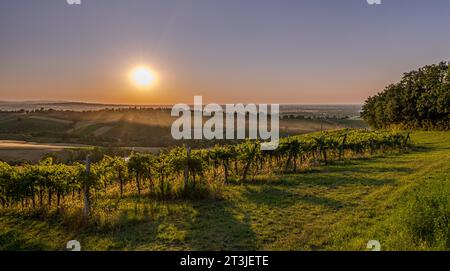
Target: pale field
x=11, y=150
x=52, y=119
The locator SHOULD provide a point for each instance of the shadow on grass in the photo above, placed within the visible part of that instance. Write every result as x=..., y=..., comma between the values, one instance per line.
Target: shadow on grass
x=14, y=240
x=335, y=173
x=359, y=168
x=140, y=225
x=328, y=176
x=333, y=180
x=201, y=225
x=280, y=198
x=425, y=147
x=17, y=234
x=221, y=225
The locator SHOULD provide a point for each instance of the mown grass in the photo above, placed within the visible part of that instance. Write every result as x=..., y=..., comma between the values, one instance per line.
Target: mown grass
x=400, y=199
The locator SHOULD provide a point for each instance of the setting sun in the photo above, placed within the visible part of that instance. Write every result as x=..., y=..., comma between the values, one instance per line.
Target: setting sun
x=143, y=77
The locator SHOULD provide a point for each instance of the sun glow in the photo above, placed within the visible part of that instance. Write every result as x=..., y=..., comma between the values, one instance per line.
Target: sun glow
x=143, y=77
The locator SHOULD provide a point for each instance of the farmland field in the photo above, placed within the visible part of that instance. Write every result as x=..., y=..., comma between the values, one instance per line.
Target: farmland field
x=143, y=128
x=340, y=206
x=11, y=150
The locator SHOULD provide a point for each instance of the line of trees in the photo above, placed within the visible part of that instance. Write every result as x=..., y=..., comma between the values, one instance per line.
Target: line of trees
x=420, y=100
x=181, y=172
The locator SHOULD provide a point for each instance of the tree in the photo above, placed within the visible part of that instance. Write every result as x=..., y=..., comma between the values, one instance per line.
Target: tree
x=420, y=100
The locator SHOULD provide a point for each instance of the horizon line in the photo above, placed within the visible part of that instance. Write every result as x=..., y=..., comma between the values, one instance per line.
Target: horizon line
x=160, y=104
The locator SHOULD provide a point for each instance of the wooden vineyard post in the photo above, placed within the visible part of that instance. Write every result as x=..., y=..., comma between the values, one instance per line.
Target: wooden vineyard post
x=186, y=169
x=86, y=189
x=342, y=148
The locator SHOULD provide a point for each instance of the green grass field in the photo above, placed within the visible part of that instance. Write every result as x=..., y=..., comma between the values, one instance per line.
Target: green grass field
x=399, y=199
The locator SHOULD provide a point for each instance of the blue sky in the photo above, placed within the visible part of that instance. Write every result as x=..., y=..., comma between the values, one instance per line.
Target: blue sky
x=287, y=51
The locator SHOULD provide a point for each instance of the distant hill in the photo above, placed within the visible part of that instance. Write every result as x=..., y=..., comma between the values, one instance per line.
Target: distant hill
x=317, y=111
x=142, y=127
x=65, y=105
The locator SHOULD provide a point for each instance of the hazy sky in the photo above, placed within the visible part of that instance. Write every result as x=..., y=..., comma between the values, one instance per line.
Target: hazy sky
x=284, y=51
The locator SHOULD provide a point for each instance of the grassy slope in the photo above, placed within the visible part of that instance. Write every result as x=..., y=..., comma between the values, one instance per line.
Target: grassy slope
x=341, y=206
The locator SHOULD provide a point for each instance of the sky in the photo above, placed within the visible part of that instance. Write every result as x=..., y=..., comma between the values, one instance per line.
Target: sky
x=228, y=51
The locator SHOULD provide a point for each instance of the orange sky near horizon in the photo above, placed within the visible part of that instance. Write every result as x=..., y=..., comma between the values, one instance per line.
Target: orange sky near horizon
x=286, y=52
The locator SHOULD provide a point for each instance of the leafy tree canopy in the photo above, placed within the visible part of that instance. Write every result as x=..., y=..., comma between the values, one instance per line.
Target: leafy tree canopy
x=421, y=100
